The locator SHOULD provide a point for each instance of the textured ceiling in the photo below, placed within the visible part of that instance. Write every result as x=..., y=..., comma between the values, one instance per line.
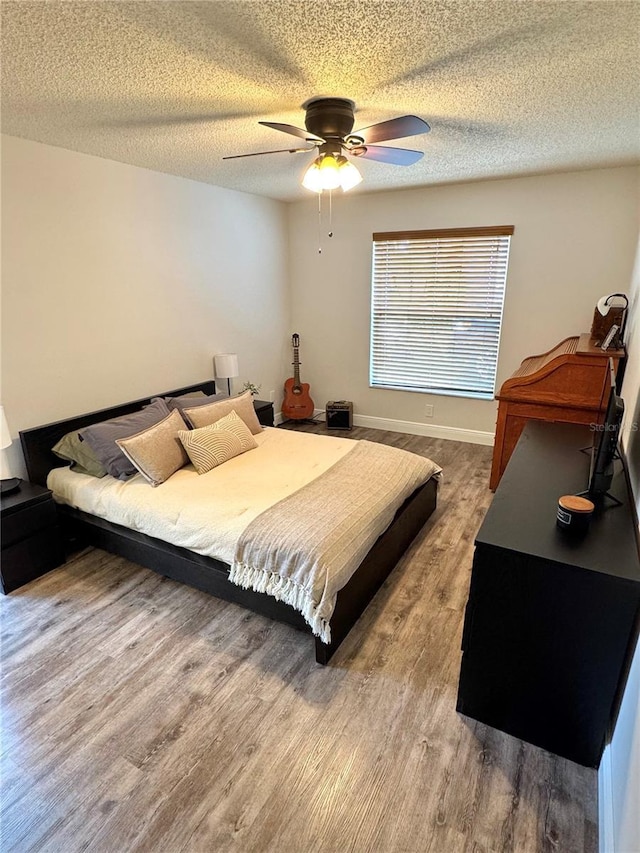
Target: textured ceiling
x=509, y=88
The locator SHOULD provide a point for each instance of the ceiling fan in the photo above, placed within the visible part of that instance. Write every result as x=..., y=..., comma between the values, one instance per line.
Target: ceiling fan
x=329, y=123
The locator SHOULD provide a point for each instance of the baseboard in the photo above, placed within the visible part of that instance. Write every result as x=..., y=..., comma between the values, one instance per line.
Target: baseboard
x=470, y=436
x=606, y=839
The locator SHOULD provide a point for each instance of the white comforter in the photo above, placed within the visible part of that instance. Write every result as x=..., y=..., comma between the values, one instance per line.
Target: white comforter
x=206, y=513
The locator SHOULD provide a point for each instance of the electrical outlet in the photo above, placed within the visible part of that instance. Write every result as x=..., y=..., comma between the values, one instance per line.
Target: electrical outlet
x=428, y=411
x=272, y=396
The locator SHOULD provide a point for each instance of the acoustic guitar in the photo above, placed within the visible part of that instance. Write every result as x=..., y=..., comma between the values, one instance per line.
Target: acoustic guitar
x=297, y=404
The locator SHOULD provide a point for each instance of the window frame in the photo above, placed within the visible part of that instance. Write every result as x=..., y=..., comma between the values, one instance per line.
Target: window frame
x=472, y=233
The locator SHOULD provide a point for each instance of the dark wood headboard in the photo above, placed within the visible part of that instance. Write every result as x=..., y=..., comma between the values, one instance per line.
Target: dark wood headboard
x=38, y=441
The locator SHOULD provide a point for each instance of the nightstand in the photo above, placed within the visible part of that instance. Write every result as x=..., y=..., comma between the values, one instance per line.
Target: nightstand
x=31, y=541
x=264, y=411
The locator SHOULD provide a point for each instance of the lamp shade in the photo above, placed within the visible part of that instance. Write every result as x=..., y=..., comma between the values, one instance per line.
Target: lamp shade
x=349, y=176
x=5, y=435
x=329, y=172
x=311, y=180
x=226, y=365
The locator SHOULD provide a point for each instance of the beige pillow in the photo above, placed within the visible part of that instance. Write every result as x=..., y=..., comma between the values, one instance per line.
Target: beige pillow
x=202, y=416
x=156, y=451
x=212, y=445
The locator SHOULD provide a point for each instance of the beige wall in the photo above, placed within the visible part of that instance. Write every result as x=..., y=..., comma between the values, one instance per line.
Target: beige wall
x=574, y=241
x=118, y=282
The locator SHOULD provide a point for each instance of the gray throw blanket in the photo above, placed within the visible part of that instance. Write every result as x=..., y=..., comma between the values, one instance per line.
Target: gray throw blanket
x=304, y=549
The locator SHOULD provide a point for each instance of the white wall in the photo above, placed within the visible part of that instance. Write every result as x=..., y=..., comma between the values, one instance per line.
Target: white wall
x=574, y=241
x=118, y=282
x=619, y=776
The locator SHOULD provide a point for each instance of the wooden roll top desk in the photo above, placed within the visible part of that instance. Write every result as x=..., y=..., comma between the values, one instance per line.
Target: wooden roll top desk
x=568, y=384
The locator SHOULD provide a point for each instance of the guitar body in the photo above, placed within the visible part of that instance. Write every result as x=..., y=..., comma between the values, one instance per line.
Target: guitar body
x=297, y=404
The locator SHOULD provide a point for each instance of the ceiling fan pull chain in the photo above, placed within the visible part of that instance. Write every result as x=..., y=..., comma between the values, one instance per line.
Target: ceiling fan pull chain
x=330, y=213
x=319, y=223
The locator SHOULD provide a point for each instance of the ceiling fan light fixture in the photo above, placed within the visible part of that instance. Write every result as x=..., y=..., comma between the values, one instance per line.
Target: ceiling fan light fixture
x=322, y=174
x=330, y=171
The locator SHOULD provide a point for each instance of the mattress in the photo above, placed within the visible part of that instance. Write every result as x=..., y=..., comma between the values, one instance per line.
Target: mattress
x=206, y=513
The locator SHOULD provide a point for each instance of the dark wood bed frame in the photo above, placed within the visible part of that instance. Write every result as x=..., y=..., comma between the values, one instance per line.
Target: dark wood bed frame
x=211, y=575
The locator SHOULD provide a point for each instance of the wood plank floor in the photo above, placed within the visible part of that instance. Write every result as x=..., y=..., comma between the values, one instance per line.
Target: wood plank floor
x=141, y=715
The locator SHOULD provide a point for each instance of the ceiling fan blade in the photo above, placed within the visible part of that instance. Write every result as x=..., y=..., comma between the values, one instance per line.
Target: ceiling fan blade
x=397, y=156
x=395, y=128
x=294, y=131
x=259, y=153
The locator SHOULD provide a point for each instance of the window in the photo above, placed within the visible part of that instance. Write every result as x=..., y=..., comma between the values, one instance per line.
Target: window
x=436, y=309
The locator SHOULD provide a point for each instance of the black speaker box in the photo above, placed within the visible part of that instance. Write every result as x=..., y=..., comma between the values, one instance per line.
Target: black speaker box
x=339, y=414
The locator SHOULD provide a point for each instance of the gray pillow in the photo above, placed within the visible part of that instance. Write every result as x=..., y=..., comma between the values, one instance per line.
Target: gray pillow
x=102, y=437
x=188, y=401
x=83, y=460
x=188, y=396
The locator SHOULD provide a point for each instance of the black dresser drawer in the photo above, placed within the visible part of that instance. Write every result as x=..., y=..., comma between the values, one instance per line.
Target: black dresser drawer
x=25, y=522
x=30, y=558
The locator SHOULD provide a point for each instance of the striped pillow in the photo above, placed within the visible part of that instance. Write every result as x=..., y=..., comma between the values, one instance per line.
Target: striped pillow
x=212, y=445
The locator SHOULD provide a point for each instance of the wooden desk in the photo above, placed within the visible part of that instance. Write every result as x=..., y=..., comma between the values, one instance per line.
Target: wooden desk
x=566, y=385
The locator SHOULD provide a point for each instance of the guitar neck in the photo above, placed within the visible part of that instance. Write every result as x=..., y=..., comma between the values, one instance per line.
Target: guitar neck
x=296, y=367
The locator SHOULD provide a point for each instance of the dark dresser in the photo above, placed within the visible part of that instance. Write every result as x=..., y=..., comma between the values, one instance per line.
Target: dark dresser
x=31, y=541
x=551, y=621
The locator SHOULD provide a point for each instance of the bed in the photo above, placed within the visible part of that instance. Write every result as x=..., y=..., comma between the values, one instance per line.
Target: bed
x=201, y=570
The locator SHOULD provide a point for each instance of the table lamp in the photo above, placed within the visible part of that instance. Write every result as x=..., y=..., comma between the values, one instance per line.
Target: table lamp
x=226, y=367
x=11, y=484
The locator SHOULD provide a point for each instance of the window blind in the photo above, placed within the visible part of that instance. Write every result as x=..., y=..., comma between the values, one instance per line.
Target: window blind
x=436, y=313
